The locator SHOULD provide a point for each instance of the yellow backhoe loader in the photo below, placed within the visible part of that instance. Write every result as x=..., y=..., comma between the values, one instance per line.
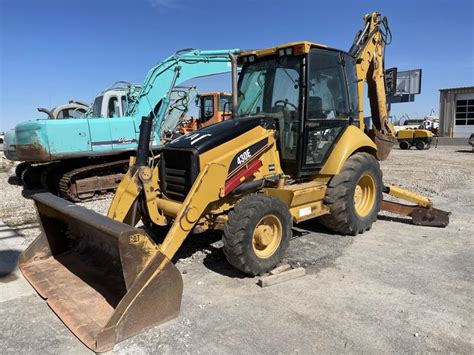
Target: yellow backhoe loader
x=296, y=148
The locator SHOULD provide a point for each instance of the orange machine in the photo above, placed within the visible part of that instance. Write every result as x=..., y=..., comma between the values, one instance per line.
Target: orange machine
x=214, y=107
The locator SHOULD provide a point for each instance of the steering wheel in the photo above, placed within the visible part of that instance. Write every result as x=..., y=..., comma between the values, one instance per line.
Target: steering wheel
x=285, y=103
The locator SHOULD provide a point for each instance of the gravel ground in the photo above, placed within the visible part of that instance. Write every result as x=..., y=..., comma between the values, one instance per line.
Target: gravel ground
x=397, y=288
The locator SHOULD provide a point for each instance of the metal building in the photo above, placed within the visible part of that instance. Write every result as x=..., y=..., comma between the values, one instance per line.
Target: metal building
x=456, y=112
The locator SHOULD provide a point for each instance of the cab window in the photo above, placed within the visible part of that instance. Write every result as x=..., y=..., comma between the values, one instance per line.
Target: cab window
x=326, y=86
x=351, y=75
x=113, y=108
x=207, y=110
x=225, y=103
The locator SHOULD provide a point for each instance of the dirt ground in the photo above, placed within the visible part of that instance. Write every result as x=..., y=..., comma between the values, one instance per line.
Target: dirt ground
x=398, y=288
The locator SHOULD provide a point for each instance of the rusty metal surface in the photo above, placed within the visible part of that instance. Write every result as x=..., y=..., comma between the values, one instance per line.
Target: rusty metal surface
x=83, y=182
x=105, y=280
x=384, y=144
x=34, y=152
x=396, y=207
x=421, y=216
x=94, y=183
x=430, y=217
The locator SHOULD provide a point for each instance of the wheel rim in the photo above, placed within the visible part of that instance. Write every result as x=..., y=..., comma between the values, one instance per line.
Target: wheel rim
x=364, y=195
x=267, y=236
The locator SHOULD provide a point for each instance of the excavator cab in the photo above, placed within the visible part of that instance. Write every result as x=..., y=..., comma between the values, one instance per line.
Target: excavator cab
x=214, y=107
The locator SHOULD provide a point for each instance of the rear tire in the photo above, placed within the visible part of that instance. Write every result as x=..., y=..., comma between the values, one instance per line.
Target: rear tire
x=354, y=196
x=257, y=234
x=420, y=145
x=404, y=145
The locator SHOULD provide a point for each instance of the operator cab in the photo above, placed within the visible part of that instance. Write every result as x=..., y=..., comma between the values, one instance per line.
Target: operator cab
x=214, y=107
x=311, y=93
x=110, y=104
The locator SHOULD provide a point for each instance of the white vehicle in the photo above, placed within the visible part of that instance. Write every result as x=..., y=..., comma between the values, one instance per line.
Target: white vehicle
x=73, y=109
x=113, y=102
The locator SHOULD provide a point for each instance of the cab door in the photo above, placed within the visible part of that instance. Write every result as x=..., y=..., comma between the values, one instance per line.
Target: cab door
x=122, y=128
x=328, y=107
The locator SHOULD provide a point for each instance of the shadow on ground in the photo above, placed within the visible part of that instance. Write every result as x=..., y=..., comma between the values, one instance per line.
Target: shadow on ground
x=312, y=246
x=403, y=220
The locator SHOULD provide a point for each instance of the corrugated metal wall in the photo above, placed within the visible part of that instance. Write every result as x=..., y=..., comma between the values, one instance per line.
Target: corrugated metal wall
x=447, y=109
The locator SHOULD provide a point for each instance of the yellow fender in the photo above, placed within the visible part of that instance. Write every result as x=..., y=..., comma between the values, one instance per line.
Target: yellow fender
x=352, y=140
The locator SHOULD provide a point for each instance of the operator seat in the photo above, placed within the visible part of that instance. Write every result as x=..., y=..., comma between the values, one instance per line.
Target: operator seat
x=315, y=107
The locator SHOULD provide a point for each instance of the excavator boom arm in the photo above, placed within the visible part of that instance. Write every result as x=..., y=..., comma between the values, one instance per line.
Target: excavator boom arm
x=182, y=66
x=369, y=51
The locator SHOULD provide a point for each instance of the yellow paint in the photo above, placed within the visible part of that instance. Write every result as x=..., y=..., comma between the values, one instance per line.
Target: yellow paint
x=267, y=236
x=352, y=140
x=406, y=195
x=365, y=194
x=300, y=197
x=274, y=50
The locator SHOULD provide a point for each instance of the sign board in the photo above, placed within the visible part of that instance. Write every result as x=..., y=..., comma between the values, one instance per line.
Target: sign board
x=390, y=81
x=408, y=82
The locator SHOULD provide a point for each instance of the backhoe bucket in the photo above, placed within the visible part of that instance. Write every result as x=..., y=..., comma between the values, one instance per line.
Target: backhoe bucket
x=104, y=279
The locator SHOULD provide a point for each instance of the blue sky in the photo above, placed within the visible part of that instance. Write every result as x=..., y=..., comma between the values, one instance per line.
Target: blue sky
x=55, y=50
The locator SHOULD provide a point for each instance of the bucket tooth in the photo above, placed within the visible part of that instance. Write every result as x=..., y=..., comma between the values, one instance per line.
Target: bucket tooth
x=104, y=279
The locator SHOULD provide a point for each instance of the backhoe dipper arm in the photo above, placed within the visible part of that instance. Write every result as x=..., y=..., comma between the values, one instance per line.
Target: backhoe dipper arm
x=368, y=50
x=183, y=65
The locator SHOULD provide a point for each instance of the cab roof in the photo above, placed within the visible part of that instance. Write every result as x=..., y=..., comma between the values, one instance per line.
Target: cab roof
x=303, y=47
x=306, y=46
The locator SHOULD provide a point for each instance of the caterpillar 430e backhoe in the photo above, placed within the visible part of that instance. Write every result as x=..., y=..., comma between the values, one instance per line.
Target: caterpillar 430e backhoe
x=296, y=148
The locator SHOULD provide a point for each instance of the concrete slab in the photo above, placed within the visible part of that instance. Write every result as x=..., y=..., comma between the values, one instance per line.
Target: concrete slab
x=29, y=326
x=12, y=283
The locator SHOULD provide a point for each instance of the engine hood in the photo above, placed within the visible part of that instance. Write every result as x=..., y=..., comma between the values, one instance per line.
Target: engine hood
x=212, y=136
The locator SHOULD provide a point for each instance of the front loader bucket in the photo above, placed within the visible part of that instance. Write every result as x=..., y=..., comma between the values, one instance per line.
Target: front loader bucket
x=104, y=279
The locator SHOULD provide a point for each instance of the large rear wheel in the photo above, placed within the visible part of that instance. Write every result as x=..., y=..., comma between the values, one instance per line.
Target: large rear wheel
x=354, y=196
x=257, y=234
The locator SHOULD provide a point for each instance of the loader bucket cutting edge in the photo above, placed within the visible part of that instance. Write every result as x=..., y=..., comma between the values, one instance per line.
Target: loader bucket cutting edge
x=104, y=279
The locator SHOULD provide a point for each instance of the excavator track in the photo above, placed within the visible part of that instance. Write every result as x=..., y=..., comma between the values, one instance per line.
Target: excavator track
x=83, y=183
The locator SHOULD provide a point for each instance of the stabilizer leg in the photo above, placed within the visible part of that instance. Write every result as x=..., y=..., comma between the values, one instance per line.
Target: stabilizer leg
x=422, y=214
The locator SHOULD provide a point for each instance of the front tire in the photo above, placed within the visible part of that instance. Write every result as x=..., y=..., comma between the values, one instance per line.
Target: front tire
x=354, y=196
x=257, y=234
